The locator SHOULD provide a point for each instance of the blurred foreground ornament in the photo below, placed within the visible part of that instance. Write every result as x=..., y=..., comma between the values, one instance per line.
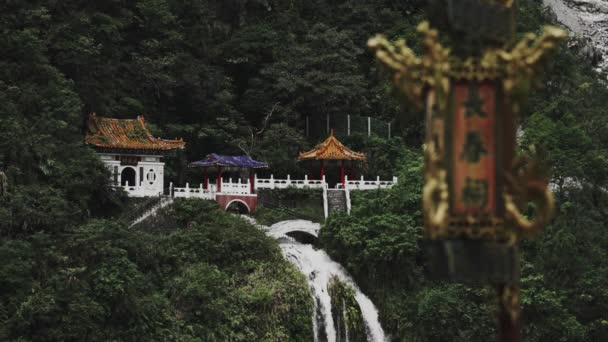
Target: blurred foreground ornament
x=477, y=191
x=3, y=184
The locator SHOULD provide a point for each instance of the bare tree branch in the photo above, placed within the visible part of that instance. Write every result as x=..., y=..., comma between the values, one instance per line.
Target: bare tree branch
x=267, y=118
x=247, y=148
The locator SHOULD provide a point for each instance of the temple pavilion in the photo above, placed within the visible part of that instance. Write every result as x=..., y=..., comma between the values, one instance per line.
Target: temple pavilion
x=132, y=154
x=221, y=163
x=333, y=149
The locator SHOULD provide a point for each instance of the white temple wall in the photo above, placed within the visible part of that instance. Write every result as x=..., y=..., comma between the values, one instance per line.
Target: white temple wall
x=146, y=178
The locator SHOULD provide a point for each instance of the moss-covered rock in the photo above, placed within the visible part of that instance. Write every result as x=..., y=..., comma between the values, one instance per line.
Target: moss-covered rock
x=346, y=312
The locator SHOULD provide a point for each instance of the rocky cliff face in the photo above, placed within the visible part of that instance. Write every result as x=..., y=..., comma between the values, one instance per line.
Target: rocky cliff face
x=588, y=21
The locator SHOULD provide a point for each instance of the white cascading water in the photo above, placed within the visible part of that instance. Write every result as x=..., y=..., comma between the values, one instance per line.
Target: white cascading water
x=319, y=269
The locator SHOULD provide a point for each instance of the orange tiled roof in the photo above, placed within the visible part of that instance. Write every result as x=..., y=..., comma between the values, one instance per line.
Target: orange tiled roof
x=131, y=134
x=331, y=148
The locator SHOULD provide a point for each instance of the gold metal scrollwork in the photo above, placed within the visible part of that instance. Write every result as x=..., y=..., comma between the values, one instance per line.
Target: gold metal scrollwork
x=435, y=193
x=434, y=71
x=412, y=74
x=524, y=185
x=435, y=202
x=544, y=197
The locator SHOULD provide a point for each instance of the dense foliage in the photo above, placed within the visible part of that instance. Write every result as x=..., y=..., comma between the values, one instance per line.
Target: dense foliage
x=219, y=279
x=286, y=204
x=240, y=76
x=346, y=312
x=210, y=72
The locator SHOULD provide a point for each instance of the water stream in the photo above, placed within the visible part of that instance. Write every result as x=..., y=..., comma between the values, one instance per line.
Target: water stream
x=319, y=269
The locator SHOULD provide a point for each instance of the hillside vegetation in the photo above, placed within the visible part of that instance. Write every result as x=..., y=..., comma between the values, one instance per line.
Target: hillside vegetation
x=239, y=76
x=211, y=277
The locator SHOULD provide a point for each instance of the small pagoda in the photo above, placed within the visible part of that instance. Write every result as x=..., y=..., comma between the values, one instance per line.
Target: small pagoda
x=333, y=149
x=228, y=163
x=132, y=154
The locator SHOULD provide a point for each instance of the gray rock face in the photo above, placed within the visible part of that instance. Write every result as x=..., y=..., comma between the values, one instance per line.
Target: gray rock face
x=588, y=21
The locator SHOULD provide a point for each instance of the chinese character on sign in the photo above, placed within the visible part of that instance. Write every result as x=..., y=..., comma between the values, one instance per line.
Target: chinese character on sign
x=473, y=148
x=475, y=193
x=474, y=102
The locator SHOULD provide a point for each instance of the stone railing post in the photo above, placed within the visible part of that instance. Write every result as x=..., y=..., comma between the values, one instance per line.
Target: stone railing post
x=272, y=181
x=325, y=204
x=347, y=195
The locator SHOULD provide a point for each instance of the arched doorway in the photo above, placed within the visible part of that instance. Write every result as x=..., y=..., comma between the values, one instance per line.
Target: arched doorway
x=127, y=175
x=238, y=206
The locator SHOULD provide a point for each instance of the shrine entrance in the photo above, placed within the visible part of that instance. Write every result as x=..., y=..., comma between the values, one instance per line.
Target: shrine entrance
x=332, y=151
x=131, y=153
x=127, y=177
x=332, y=173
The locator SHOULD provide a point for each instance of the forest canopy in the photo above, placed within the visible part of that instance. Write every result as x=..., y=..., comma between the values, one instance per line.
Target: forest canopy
x=211, y=72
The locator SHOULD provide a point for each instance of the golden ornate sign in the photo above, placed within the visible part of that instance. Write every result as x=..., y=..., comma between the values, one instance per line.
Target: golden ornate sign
x=474, y=185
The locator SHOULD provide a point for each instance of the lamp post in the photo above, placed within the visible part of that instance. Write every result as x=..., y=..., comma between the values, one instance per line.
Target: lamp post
x=476, y=188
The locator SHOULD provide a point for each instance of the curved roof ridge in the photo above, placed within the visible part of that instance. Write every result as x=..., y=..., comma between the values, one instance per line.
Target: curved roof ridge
x=243, y=161
x=126, y=134
x=331, y=148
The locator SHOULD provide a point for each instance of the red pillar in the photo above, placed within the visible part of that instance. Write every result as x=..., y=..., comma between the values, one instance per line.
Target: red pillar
x=206, y=181
x=219, y=179
x=251, y=182
x=312, y=169
x=322, y=169
x=342, y=172
x=351, y=175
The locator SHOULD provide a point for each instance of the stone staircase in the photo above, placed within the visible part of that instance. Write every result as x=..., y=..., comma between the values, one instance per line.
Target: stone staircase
x=336, y=201
x=162, y=202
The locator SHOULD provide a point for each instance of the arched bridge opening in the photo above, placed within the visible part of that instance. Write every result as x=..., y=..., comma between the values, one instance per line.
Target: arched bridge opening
x=244, y=204
x=238, y=206
x=303, y=237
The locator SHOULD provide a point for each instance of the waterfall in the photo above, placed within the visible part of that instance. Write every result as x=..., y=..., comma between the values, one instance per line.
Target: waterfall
x=319, y=269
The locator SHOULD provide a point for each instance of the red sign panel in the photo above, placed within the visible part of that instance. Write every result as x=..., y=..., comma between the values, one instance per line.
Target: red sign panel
x=473, y=149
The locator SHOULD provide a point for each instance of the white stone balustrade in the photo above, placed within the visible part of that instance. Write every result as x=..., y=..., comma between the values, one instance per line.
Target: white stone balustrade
x=272, y=183
x=228, y=187
x=195, y=192
x=362, y=184
x=236, y=188
x=241, y=187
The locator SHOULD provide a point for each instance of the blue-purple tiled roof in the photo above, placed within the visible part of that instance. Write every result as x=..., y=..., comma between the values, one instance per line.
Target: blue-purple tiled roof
x=234, y=161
